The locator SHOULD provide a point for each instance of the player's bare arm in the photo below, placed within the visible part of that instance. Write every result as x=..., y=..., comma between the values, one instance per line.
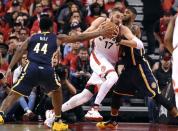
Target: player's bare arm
x=95, y=24
x=137, y=31
x=169, y=35
x=18, y=54
x=132, y=40
x=107, y=29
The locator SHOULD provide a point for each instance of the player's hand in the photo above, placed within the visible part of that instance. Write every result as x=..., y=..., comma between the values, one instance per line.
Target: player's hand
x=108, y=29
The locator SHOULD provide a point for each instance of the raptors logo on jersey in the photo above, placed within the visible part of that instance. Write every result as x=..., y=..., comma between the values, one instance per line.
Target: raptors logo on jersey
x=107, y=47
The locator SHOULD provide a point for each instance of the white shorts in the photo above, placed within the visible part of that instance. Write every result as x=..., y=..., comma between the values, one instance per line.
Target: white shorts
x=175, y=69
x=100, y=65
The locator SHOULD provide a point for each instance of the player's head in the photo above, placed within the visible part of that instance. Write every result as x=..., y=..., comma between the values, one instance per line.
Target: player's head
x=130, y=14
x=45, y=23
x=116, y=16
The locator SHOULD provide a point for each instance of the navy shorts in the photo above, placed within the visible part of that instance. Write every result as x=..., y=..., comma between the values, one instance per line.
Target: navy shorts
x=137, y=79
x=34, y=74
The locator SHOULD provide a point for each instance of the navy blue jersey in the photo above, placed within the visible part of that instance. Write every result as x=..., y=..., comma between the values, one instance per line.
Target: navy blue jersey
x=41, y=48
x=131, y=56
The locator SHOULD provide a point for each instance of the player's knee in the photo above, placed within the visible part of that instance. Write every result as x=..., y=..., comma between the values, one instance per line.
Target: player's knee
x=85, y=96
x=113, y=76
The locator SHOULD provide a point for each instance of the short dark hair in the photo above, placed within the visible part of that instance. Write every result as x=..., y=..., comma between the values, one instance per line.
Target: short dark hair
x=132, y=9
x=45, y=23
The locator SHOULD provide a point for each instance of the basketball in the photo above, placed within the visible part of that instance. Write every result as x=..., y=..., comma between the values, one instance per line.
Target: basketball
x=113, y=29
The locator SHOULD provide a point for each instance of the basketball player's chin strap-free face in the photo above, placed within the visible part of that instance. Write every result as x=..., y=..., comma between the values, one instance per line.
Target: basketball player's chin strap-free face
x=116, y=17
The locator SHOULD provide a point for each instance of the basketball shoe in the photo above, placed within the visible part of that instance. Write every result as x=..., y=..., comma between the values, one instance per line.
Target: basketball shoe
x=93, y=115
x=59, y=126
x=107, y=124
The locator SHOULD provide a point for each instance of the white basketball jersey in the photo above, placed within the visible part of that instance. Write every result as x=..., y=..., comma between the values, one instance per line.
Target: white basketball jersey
x=107, y=47
x=175, y=33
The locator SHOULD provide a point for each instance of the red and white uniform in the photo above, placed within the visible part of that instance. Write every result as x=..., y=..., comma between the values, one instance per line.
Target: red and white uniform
x=103, y=59
x=174, y=56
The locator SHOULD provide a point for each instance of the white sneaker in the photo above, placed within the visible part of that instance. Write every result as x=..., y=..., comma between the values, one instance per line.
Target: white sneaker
x=93, y=115
x=50, y=117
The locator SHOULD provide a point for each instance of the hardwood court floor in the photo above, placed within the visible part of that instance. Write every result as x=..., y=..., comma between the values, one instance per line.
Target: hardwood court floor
x=89, y=126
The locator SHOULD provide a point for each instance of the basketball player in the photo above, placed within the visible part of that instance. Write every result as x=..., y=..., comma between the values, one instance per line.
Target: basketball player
x=102, y=61
x=39, y=70
x=136, y=77
x=171, y=43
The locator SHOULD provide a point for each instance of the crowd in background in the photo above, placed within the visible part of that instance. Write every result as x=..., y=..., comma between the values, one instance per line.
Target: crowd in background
x=19, y=19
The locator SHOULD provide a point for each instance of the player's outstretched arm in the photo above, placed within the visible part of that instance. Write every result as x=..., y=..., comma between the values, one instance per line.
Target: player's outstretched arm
x=106, y=30
x=169, y=35
x=18, y=54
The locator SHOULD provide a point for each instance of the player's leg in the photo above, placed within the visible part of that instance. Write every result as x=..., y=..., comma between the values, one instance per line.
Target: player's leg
x=122, y=87
x=149, y=86
x=77, y=100
x=57, y=103
x=52, y=84
x=111, y=79
x=115, y=106
x=20, y=88
x=7, y=103
x=105, y=70
x=159, y=98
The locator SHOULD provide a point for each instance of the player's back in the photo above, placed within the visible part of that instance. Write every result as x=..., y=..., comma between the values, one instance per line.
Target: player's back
x=41, y=48
x=107, y=47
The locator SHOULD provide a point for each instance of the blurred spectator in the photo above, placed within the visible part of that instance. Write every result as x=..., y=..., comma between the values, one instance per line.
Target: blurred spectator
x=23, y=19
x=160, y=27
x=80, y=70
x=75, y=20
x=24, y=34
x=16, y=29
x=15, y=6
x=96, y=11
x=35, y=11
x=162, y=71
x=3, y=61
x=56, y=4
x=13, y=43
x=4, y=28
x=35, y=8
x=2, y=11
x=167, y=5
x=3, y=54
x=4, y=88
x=64, y=13
x=115, y=4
